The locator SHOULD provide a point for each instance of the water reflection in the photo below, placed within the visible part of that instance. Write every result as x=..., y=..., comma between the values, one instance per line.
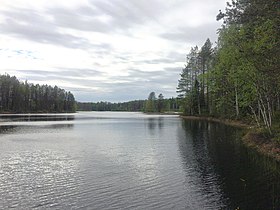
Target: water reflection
x=131, y=161
x=36, y=173
x=7, y=128
x=219, y=157
x=155, y=124
x=193, y=147
x=152, y=123
x=35, y=117
x=12, y=123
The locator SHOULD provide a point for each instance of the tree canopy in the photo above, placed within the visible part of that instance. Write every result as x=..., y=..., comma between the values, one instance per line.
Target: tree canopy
x=160, y=104
x=240, y=77
x=23, y=97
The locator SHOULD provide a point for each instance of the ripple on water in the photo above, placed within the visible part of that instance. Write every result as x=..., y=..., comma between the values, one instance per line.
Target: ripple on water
x=34, y=177
x=104, y=161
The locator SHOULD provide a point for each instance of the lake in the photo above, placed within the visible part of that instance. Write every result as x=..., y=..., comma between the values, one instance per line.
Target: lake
x=122, y=160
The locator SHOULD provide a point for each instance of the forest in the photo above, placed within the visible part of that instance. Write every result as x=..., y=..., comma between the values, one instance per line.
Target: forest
x=23, y=97
x=239, y=78
x=131, y=106
x=152, y=104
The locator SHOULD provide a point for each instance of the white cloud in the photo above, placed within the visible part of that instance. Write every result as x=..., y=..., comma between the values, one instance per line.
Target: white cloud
x=101, y=49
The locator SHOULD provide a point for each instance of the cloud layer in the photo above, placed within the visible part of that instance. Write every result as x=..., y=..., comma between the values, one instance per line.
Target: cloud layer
x=101, y=49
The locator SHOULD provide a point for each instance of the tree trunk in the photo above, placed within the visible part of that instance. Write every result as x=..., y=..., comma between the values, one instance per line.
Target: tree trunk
x=255, y=116
x=236, y=102
x=278, y=102
x=265, y=114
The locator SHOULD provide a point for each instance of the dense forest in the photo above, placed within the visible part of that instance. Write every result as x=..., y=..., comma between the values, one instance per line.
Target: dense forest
x=23, y=97
x=131, y=106
x=152, y=104
x=239, y=78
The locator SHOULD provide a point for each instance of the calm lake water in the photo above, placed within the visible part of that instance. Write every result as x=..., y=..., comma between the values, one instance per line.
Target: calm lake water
x=106, y=160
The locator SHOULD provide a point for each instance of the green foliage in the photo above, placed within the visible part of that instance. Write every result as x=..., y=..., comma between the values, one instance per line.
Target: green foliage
x=193, y=86
x=150, y=105
x=131, y=106
x=242, y=76
x=170, y=104
x=19, y=97
x=160, y=103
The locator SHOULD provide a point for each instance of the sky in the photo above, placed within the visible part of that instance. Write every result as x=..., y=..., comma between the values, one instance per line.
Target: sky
x=104, y=50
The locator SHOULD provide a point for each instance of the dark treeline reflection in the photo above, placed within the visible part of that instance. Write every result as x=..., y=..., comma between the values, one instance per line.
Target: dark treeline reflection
x=155, y=124
x=12, y=123
x=17, y=128
x=34, y=117
x=218, y=154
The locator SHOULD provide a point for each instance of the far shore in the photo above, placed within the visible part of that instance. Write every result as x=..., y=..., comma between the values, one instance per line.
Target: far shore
x=252, y=137
x=162, y=113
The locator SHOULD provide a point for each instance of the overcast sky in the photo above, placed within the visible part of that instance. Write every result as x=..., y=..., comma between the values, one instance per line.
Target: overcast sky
x=109, y=50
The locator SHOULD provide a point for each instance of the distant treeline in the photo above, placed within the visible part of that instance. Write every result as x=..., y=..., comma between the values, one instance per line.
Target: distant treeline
x=133, y=106
x=157, y=105
x=23, y=97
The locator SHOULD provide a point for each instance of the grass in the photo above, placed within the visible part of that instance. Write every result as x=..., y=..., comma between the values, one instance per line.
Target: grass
x=264, y=142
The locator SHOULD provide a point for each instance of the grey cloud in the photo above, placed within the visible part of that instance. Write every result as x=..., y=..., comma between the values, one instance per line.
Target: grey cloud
x=43, y=27
x=143, y=74
x=123, y=15
x=30, y=25
x=35, y=26
x=128, y=13
x=75, y=76
x=176, y=56
x=155, y=81
x=136, y=85
x=156, y=61
x=170, y=57
x=193, y=35
x=43, y=36
x=84, y=19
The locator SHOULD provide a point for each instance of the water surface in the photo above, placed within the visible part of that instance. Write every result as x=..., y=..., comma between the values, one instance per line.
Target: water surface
x=106, y=160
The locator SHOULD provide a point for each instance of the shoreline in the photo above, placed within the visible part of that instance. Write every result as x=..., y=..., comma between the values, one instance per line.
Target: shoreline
x=233, y=123
x=251, y=139
x=263, y=145
x=162, y=113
